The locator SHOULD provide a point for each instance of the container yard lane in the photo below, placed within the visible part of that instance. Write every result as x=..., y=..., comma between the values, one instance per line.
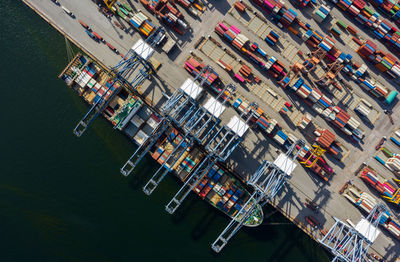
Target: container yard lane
x=303, y=185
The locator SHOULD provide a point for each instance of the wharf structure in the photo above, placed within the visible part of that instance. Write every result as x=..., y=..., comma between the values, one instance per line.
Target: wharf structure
x=255, y=147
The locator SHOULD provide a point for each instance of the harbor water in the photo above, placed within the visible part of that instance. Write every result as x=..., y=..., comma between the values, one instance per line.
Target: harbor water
x=63, y=198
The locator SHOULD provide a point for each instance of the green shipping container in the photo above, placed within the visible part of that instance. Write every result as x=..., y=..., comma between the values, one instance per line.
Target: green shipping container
x=121, y=14
x=386, y=152
x=127, y=7
x=390, y=98
x=342, y=24
x=123, y=11
x=369, y=11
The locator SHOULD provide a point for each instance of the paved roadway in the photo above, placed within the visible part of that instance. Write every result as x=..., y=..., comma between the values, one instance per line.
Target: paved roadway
x=256, y=147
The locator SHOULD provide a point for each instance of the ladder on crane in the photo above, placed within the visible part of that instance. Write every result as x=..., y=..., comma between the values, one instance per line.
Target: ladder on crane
x=351, y=244
x=220, y=152
x=144, y=148
x=266, y=181
x=166, y=167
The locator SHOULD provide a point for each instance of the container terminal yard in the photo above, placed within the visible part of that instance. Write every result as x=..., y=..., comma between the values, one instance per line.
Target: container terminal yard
x=251, y=102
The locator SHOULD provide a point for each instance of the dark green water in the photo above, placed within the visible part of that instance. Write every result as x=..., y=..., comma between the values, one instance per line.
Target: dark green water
x=63, y=199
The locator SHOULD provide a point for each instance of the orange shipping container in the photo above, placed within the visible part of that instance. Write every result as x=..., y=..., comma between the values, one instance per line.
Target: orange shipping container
x=351, y=30
x=240, y=7
x=294, y=31
x=381, y=67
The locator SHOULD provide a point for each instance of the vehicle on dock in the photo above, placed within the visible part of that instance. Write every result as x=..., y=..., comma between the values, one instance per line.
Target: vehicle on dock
x=98, y=36
x=380, y=143
x=68, y=12
x=112, y=48
x=84, y=25
x=56, y=2
x=314, y=223
x=92, y=35
x=119, y=26
x=311, y=205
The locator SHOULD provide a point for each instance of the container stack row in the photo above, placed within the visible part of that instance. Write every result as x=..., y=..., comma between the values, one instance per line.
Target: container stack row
x=221, y=191
x=252, y=51
x=379, y=183
x=142, y=23
x=321, y=13
x=323, y=105
x=381, y=28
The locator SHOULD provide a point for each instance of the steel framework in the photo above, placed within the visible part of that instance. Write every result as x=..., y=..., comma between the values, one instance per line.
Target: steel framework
x=124, y=70
x=178, y=99
x=347, y=243
x=184, y=99
x=143, y=149
x=266, y=182
x=218, y=152
x=204, y=120
x=177, y=109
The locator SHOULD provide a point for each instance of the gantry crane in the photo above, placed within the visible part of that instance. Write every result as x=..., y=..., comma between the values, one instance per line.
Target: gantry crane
x=186, y=95
x=296, y=68
x=219, y=147
x=137, y=56
x=328, y=78
x=204, y=120
x=317, y=151
x=314, y=60
x=350, y=244
x=266, y=181
x=177, y=111
x=109, y=3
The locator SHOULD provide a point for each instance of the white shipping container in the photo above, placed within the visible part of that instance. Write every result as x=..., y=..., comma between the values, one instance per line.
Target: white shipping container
x=279, y=139
x=315, y=94
x=313, y=99
x=140, y=137
x=393, y=230
x=292, y=138
x=354, y=122
x=242, y=38
x=347, y=131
